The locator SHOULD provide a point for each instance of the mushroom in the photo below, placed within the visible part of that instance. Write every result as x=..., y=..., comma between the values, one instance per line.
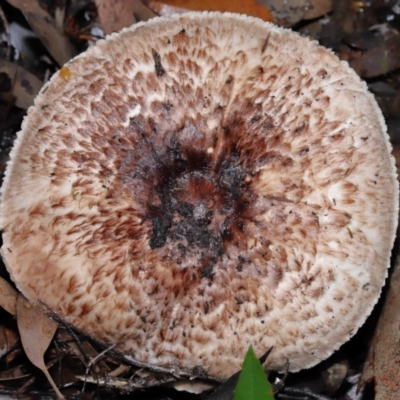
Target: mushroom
x=196, y=184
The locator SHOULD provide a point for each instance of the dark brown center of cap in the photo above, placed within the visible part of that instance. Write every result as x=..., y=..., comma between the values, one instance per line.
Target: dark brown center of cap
x=196, y=196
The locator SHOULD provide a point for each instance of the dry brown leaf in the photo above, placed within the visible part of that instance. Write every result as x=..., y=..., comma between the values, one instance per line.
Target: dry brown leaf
x=8, y=295
x=13, y=374
x=335, y=375
x=114, y=14
x=44, y=25
x=9, y=343
x=380, y=59
x=24, y=5
x=317, y=8
x=289, y=12
x=142, y=12
x=24, y=85
x=164, y=9
x=36, y=330
x=383, y=362
x=249, y=7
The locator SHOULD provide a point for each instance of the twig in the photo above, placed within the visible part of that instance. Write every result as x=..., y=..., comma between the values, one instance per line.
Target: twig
x=95, y=359
x=70, y=329
x=290, y=392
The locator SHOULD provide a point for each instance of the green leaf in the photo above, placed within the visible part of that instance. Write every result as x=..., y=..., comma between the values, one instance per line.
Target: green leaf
x=253, y=383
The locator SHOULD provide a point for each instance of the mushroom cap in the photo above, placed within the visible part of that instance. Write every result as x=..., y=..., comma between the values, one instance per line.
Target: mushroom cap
x=196, y=184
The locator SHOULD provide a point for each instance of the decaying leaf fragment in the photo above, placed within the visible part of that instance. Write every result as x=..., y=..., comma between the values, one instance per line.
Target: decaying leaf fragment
x=380, y=59
x=141, y=12
x=12, y=374
x=383, y=362
x=8, y=297
x=114, y=15
x=289, y=12
x=47, y=29
x=23, y=85
x=37, y=331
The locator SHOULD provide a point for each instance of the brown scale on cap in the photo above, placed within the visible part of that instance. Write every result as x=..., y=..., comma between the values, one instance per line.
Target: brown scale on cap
x=199, y=184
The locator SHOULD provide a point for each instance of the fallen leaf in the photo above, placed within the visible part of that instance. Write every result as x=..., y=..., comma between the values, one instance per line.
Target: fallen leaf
x=36, y=330
x=9, y=344
x=380, y=59
x=317, y=8
x=339, y=24
x=249, y=7
x=13, y=374
x=23, y=86
x=141, y=12
x=8, y=295
x=114, y=14
x=383, y=362
x=363, y=40
x=335, y=375
x=289, y=12
x=45, y=27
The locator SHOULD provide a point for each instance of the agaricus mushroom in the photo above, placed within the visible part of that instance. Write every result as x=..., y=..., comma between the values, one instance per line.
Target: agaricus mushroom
x=196, y=184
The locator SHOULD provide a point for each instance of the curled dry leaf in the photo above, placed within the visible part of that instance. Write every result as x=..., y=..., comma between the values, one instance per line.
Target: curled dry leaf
x=114, y=15
x=170, y=7
x=23, y=86
x=8, y=297
x=36, y=330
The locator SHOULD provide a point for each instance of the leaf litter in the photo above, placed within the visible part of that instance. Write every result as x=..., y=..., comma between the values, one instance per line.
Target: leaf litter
x=36, y=330
x=366, y=34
